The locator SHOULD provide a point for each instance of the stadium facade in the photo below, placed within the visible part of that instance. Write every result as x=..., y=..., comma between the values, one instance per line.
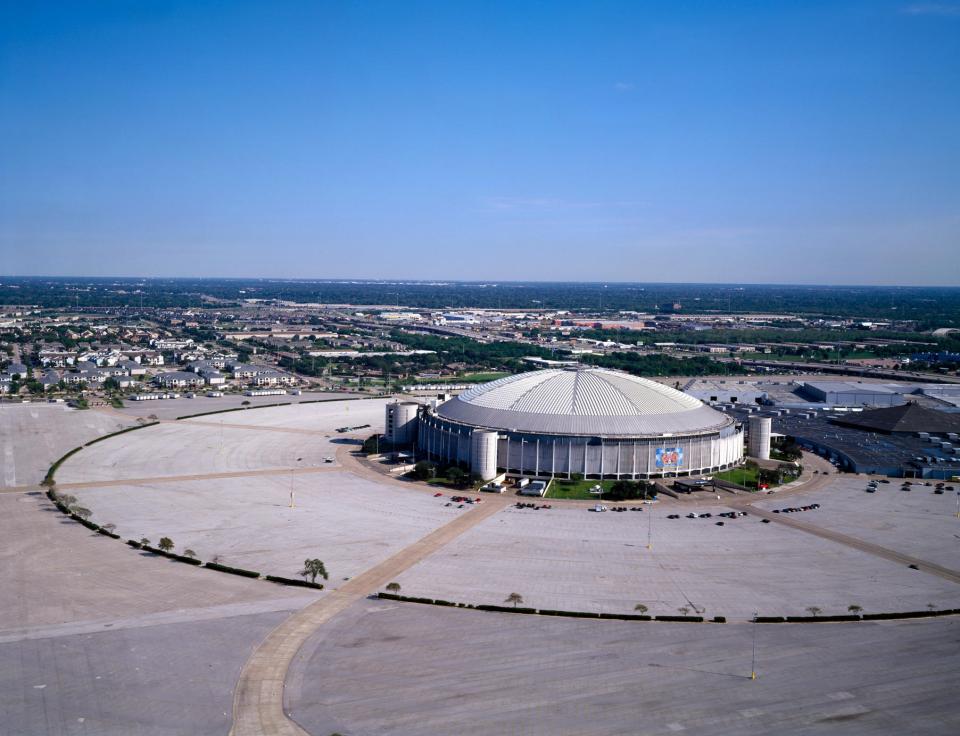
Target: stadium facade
x=595, y=422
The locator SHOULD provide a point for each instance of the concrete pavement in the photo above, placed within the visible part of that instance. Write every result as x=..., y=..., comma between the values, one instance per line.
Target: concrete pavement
x=258, y=708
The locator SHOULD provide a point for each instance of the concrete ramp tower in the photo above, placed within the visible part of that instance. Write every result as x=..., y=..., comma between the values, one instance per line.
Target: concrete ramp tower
x=758, y=438
x=401, y=422
x=483, y=453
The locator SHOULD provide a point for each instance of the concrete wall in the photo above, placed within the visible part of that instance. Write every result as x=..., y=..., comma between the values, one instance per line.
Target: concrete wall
x=447, y=441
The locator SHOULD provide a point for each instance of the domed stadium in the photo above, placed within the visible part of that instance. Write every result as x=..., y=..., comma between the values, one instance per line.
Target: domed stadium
x=597, y=422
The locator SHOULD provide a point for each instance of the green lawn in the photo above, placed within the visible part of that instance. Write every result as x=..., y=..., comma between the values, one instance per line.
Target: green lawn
x=742, y=476
x=578, y=490
x=484, y=377
x=468, y=378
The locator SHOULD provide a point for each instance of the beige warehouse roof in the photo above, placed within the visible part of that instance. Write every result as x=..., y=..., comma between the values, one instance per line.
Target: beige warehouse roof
x=584, y=401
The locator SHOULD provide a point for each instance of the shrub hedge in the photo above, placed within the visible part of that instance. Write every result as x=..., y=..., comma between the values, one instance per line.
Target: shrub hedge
x=48, y=478
x=236, y=408
x=120, y=431
x=183, y=559
x=571, y=614
x=409, y=599
x=168, y=555
x=903, y=614
x=80, y=520
x=293, y=581
x=626, y=616
x=673, y=619
x=505, y=609
x=232, y=570
x=320, y=401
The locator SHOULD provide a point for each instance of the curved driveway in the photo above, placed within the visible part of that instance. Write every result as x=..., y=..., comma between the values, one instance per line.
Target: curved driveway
x=258, y=699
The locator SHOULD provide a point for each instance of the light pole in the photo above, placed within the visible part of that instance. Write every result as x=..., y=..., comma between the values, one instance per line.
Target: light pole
x=753, y=657
x=650, y=529
x=291, y=482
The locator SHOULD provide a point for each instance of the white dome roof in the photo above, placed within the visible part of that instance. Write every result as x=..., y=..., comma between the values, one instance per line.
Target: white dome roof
x=585, y=401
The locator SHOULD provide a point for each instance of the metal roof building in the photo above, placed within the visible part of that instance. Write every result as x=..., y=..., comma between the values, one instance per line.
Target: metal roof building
x=592, y=421
x=854, y=393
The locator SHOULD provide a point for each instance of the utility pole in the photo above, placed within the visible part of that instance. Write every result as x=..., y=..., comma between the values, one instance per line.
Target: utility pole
x=753, y=658
x=291, y=483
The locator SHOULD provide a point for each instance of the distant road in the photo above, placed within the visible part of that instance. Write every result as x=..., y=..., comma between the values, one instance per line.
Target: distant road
x=850, y=370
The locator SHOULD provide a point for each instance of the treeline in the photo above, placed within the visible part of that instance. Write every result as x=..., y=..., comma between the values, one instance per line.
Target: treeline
x=507, y=357
x=502, y=356
x=662, y=365
x=778, y=336
x=930, y=306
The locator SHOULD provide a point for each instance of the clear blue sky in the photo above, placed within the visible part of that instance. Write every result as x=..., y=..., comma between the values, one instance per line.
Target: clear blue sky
x=800, y=142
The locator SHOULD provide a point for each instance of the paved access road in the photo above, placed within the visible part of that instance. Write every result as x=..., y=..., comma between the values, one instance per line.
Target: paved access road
x=845, y=539
x=258, y=700
x=384, y=668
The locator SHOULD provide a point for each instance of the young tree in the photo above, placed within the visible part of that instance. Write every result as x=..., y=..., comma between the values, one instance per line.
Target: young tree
x=144, y=542
x=312, y=568
x=424, y=470
x=393, y=588
x=854, y=608
x=456, y=476
x=641, y=608
x=82, y=512
x=189, y=553
x=165, y=543
x=684, y=610
x=514, y=598
x=814, y=611
x=108, y=527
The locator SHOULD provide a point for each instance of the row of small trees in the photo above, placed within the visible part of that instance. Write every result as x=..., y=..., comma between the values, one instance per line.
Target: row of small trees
x=312, y=568
x=517, y=599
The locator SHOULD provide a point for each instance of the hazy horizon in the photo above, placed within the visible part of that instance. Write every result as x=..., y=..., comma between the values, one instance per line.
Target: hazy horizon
x=782, y=144
x=453, y=281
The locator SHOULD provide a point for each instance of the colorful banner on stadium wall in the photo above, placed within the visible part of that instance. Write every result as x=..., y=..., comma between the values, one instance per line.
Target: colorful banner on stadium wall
x=669, y=457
